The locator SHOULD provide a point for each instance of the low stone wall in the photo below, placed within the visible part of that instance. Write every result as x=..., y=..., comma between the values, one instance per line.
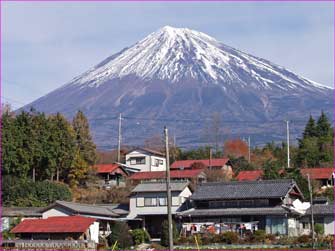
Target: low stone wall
x=47, y=244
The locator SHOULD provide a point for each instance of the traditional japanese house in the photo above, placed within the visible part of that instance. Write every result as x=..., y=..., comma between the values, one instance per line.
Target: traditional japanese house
x=246, y=205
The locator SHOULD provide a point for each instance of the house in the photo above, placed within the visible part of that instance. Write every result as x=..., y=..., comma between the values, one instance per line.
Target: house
x=105, y=214
x=145, y=160
x=323, y=175
x=111, y=174
x=323, y=212
x=13, y=215
x=148, y=202
x=59, y=231
x=250, y=175
x=243, y=206
x=222, y=163
x=195, y=175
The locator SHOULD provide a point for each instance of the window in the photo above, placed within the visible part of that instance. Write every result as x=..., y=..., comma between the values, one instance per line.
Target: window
x=137, y=160
x=140, y=202
x=246, y=203
x=231, y=203
x=157, y=162
x=175, y=201
x=150, y=202
x=162, y=201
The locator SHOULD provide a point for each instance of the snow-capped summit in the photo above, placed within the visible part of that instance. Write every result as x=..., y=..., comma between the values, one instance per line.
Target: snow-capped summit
x=179, y=54
x=179, y=73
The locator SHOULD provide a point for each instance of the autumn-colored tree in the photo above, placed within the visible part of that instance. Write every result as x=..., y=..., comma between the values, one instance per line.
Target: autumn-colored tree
x=84, y=139
x=236, y=148
x=218, y=175
x=78, y=170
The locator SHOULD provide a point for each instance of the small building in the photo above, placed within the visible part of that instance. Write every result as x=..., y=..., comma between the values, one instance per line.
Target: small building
x=243, y=206
x=195, y=176
x=59, y=231
x=111, y=174
x=145, y=160
x=250, y=175
x=323, y=212
x=323, y=175
x=105, y=214
x=12, y=215
x=148, y=202
x=215, y=164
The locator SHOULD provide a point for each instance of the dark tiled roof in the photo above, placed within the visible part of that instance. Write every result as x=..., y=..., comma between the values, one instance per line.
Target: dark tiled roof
x=153, y=152
x=234, y=211
x=86, y=209
x=21, y=211
x=321, y=209
x=243, y=189
x=159, y=187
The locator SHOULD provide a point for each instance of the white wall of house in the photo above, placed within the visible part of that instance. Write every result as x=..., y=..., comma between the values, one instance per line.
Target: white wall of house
x=139, y=203
x=145, y=161
x=94, y=232
x=329, y=225
x=56, y=211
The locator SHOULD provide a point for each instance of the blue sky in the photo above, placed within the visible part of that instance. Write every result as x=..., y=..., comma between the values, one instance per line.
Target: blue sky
x=45, y=45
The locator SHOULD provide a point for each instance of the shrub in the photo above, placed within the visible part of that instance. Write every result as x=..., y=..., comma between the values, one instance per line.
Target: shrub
x=230, y=237
x=165, y=233
x=319, y=229
x=303, y=239
x=121, y=234
x=259, y=235
x=26, y=193
x=140, y=236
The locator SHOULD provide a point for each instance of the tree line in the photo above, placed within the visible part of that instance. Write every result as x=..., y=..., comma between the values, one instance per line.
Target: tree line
x=41, y=147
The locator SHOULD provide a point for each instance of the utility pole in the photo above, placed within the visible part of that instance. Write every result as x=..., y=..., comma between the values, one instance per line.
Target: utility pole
x=119, y=140
x=288, y=143
x=168, y=188
x=249, y=149
x=312, y=211
x=210, y=158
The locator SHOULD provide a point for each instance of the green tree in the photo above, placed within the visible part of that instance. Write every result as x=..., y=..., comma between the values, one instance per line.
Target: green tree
x=323, y=127
x=310, y=128
x=165, y=233
x=121, y=235
x=62, y=148
x=83, y=138
x=271, y=170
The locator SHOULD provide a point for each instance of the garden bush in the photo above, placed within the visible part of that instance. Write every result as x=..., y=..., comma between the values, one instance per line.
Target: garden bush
x=259, y=235
x=319, y=229
x=230, y=237
x=165, y=233
x=121, y=234
x=140, y=236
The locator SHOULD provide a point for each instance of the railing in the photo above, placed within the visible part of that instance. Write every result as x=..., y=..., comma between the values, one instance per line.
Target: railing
x=48, y=244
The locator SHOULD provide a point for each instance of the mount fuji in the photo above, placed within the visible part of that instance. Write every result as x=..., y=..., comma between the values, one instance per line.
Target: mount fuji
x=180, y=77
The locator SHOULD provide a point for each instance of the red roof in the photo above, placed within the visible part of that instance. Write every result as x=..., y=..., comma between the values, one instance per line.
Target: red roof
x=174, y=174
x=58, y=224
x=318, y=173
x=249, y=175
x=187, y=163
x=107, y=168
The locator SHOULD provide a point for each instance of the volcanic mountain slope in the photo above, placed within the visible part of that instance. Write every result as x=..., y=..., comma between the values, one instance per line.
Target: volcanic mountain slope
x=182, y=77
